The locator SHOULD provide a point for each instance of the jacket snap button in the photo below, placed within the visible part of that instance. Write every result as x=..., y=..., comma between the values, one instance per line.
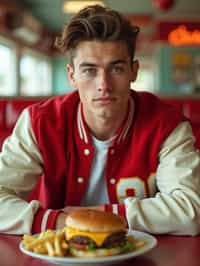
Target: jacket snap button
x=112, y=181
x=86, y=151
x=112, y=151
x=80, y=179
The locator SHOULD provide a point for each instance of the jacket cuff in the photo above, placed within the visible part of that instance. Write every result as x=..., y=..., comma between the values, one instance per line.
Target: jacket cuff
x=44, y=219
x=119, y=209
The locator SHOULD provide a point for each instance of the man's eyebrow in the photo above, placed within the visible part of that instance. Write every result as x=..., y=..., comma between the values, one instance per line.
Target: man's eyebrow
x=119, y=61
x=88, y=64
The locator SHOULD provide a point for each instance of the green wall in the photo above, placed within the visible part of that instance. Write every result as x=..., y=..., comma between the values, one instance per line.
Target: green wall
x=60, y=80
x=164, y=55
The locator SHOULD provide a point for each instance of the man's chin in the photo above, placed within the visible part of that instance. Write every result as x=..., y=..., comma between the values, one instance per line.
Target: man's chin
x=104, y=113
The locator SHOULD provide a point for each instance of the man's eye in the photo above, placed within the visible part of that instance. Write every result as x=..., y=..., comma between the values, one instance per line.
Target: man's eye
x=117, y=69
x=89, y=71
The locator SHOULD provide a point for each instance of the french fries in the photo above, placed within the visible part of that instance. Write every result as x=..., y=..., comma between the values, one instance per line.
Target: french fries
x=136, y=244
x=50, y=243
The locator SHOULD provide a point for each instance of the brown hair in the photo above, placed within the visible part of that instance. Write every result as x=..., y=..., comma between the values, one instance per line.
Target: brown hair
x=97, y=23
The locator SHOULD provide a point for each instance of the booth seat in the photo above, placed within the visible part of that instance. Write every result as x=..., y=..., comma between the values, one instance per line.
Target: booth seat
x=191, y=109
x=10, y=109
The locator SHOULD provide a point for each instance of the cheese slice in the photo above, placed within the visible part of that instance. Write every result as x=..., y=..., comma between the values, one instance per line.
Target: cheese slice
x=98, y=238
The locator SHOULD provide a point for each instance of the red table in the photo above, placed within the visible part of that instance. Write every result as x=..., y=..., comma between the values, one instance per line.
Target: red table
x=170, y=251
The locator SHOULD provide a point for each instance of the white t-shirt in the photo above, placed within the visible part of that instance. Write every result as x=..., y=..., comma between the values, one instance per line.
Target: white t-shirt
x=96, y=192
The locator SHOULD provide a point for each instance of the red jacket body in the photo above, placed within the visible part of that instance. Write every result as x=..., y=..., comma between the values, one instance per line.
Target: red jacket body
x=66, y=148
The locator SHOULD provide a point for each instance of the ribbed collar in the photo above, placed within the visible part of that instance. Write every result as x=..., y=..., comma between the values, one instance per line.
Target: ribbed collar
x=122, y=132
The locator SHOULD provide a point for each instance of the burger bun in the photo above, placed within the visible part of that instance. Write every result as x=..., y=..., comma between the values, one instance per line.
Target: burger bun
x=99, y=252
x=95, y=221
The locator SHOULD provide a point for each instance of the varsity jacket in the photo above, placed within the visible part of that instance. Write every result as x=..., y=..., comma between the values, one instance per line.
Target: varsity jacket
x=132, y=169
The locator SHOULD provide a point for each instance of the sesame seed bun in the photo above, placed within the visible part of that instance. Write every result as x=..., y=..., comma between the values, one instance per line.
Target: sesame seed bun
x=95, y=221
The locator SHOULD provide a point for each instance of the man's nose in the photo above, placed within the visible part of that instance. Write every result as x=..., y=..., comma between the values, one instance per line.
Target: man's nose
x=103, y=81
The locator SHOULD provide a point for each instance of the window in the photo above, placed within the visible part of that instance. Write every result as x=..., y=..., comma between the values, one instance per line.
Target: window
x=7, y=68
x=145, y=79
x=23, y=72
x=35, y=75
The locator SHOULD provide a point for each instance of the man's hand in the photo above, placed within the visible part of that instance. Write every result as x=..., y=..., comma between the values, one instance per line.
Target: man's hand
x=60, y=222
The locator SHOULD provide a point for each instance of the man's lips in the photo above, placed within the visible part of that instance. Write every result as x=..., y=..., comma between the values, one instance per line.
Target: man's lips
x=104, y=99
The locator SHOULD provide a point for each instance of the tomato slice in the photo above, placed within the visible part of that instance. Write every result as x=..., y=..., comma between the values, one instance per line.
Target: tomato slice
x=79, y=246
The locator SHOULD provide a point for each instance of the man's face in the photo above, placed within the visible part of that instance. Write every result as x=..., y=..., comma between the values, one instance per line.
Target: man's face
x=102, y=73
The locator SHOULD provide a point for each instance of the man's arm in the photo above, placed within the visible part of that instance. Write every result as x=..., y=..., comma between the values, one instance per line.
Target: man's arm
x=175, y=209
x=20, y=168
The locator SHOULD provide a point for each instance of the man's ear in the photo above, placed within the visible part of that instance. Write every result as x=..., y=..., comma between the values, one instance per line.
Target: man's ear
x=70, y=72
x=135, y=69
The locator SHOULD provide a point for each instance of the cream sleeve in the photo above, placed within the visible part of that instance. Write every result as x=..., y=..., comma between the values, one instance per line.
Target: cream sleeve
x=20, y=167
x=175, y=209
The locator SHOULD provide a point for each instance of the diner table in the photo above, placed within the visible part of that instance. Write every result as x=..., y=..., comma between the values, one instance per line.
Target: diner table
x=170, y=251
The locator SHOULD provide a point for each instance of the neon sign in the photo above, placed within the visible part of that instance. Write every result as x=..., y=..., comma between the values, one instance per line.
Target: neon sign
x=182, y=36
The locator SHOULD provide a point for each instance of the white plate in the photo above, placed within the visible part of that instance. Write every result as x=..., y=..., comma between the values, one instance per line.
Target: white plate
x=73, y=261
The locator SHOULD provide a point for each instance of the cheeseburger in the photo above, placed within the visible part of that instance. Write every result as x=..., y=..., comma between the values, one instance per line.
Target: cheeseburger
x=92, y=233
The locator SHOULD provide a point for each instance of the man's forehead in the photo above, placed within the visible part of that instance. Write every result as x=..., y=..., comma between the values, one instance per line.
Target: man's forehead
x=101, y=52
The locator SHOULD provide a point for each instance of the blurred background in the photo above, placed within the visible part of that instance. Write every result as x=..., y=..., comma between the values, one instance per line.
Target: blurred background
x=168, y=48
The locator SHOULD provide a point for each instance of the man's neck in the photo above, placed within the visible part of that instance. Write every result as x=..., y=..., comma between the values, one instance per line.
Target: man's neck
x=104, y=128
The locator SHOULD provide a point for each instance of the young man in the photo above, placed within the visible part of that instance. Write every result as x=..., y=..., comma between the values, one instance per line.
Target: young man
x=103, y=146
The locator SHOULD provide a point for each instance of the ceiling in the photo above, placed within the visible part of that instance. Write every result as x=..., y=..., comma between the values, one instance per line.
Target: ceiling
x=50, y=14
